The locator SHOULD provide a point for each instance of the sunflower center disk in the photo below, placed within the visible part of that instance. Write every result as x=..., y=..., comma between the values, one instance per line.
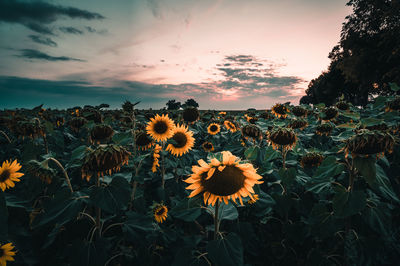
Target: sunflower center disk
x=160, y=211
x=208, y=146
x=5, y=175
x=213, y=128
x=224, y=183
x=160, y=127
x=143, y=140
x=180, y=139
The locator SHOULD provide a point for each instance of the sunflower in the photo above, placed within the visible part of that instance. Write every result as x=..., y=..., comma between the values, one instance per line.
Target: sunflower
x=281, y=137
x=298, y=124
x=41, y=170
x=184, y=141
x=343, y=105
x=101, y=134
x=254, y=200
x=6, y=253
x=143, y=141
x=230, y=126
x=9, y=174
x=324, y=129
x=223, y=179
x=393, y=105
x=329, y=113
x=299, y=111
x=160, y=212
x=280, y=110
x=156, y=155
x=160, y=128
x=76, y=123
x=191, y=114
x=208, y=146
x=213, y=129
x=311, y=159
x=251, y=131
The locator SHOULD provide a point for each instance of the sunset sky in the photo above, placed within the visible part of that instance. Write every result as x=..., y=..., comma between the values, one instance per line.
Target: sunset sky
x=226, y=54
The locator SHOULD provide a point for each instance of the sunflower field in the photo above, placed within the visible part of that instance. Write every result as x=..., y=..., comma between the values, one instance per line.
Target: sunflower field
x=293, y=185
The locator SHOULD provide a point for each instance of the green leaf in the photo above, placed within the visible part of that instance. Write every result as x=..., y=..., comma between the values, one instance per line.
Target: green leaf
x=271, y=154
x=123, y=138
x=367, y=168
x=329, y=168
x=348, y=203
x=371, y=121
x=226, y=212
x=185, y=212
x=112, y=197
x=226, y=251
x=251, y=153
x=136, y=225
x=3, y=218
x=287, y=176
x=394, y=86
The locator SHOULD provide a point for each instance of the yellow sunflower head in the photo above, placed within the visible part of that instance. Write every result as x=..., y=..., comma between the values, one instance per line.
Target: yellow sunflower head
x=183, y=139
x=230, y=126
x=223, y=179
x=6, y=253
x=208, y=146
x=160, y=212
x=9, y=174
x=280, y=110
x=143, y=141
x=213, y=129
x=160, y=128
x=282, y=137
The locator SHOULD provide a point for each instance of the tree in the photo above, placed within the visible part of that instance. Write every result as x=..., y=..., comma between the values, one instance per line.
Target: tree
x=173, y=105
x=191, y=102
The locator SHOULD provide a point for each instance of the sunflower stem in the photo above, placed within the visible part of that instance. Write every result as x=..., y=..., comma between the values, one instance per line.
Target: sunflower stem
x=216, y=221
x=284, y=152
x=162, y=166
x=46, y=146
x=5, y=135
x=98, y=211
x=64, y=172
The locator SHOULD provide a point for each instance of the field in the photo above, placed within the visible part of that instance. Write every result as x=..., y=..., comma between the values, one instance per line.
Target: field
x=294, y=185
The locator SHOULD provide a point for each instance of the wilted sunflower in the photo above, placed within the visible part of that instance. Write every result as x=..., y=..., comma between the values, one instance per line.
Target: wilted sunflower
x=106, y=158
x=208, y=146
x=60, y=121
x=230, y=126
x=184, y=141
x=381, y=127
x=343, y=105
x=329, y=113
x=280, y=110
x=32, y=129
x=223, y=179
x=156, y=155
x=393, y=105
x=92, y=114
x=213, y=129
x=282, y=137
x=9, y=174
x=76, y=123
x=101, y=134
x=160, y=212
x=191, y=114
x=6, y=253
x=143, y=141
x=299, y=111
x=254, y=199
x=252, y=119
x=311, y=159
x=368, y=142
x=41, y=170
x=298, y=124
x=324, y=129
x=252, y=131
x=160, y=128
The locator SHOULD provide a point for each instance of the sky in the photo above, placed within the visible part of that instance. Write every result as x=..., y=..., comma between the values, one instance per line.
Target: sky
x=225, y=54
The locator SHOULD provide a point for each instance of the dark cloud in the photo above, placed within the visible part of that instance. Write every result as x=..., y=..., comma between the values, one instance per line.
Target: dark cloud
x=43, y=40
x=93, y=30
x=71, y=30
x=35, y=54
x=36, y=15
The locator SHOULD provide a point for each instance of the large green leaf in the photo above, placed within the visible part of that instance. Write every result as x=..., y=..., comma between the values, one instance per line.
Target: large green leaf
x=367, y=168
x=287, y=176
x=227, y=251
x=226, y=212
x=136, y=225
x=347, y=203
x=112, y=197
x=3, y=218
x=251, y=153
x=329, y=168
x=184, y=211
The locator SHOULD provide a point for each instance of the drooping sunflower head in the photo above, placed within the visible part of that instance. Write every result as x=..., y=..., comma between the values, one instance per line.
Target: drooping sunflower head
x=230, y=126
x=143, y=140
x=380, y=127
x=160, y=212
x=101, y=133
x=160, y=128
x=191, y=114
x=329, y=113
x=106, y=158
x=127, y=107
x=251, y=118
x=32, y=129
x=222, y=179
x=367, y=142
x=92, y=114
x=41, y=170
x=393, y=105
x=76, y=123
x=183, y=141
x=9, y=174
x=343, y=105
x=208, y=146
x=282, y=137
x=298, y=124
x=6, y=253
x=324, y=129
x=213, y=129
x=280, y=110
x=299, y=111
x=311, y=159
x=252, y=131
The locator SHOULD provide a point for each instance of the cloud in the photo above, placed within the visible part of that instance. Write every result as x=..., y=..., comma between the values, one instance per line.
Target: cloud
x=92, y=30
x=36, y=15
x=35, y=54
x=43, y=40
x=155, y=8
x=71, y=30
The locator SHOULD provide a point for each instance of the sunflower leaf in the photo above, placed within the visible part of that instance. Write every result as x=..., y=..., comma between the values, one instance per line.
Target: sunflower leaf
x=226, y=251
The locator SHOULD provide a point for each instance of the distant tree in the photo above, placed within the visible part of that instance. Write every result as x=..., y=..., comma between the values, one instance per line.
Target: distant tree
x=190, y=102
x=173, y=105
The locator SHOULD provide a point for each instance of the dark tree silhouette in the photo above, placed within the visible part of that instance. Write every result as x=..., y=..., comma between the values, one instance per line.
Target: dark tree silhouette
x=191, y=102
x=173, y=105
